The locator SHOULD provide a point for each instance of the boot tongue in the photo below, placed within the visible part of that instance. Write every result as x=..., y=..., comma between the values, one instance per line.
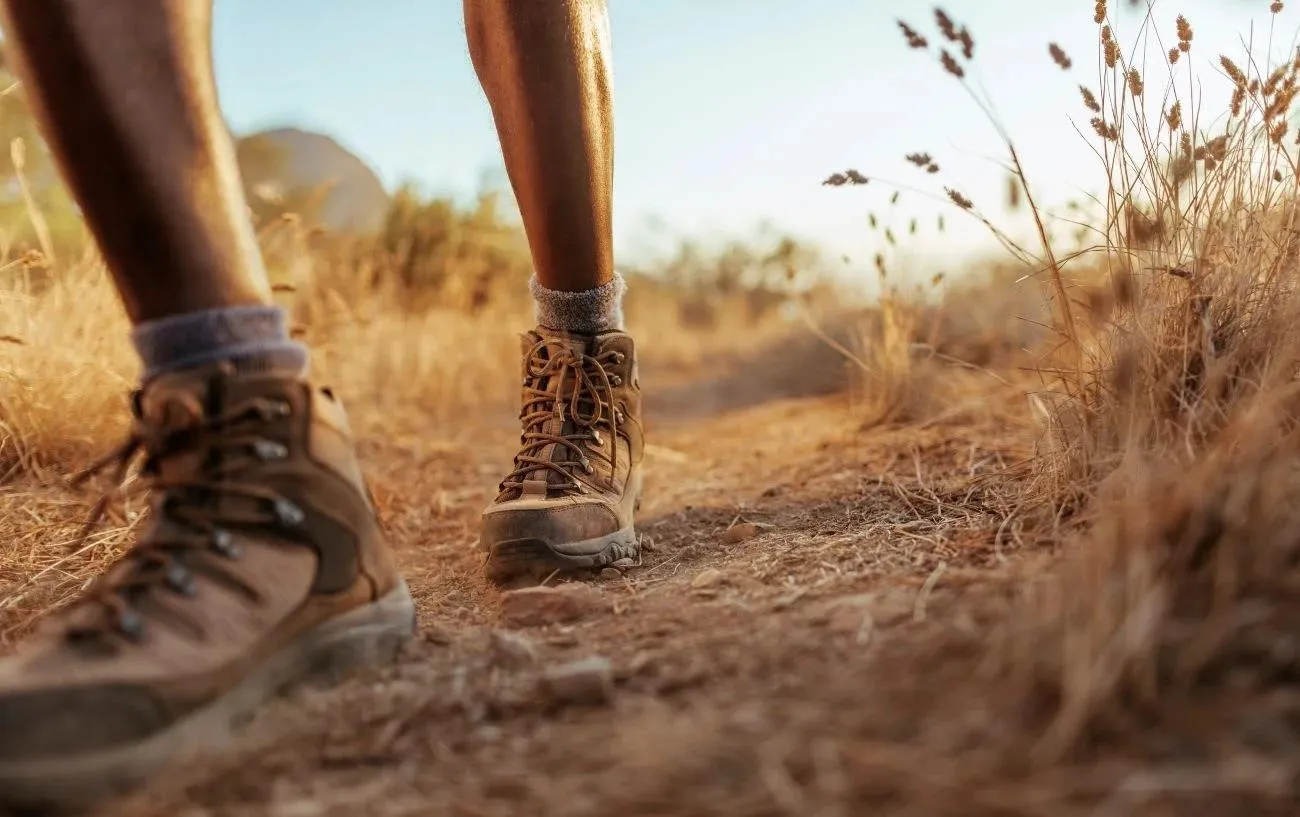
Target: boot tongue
x=173, y=403
x=554, y=343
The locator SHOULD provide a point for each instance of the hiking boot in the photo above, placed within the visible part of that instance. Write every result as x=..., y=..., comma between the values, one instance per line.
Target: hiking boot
x=261, y=566
x=568, y=504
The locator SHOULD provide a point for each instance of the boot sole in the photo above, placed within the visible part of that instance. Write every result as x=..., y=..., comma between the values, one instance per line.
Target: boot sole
x=369, y=635
x=519, y=559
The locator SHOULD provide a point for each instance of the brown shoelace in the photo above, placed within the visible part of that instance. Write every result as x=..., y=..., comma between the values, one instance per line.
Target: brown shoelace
x=194, y=514
x=588, y=405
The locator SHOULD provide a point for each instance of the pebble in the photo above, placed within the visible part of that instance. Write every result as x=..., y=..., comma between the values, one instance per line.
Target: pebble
x=709, y=577
x=610, y=574
x=588, y=681
x=742, y=532
x=511, y=649
x=539, y=606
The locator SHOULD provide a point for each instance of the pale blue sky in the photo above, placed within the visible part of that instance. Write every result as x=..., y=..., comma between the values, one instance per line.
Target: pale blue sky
x=729, y=112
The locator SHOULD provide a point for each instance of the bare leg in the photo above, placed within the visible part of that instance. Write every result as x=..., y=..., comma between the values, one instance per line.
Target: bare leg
x=545, y=67
x=124, y=92
x=261, y=563
x=568, y=504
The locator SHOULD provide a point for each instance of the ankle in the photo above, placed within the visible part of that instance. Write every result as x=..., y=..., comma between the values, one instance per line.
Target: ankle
x=587, y=312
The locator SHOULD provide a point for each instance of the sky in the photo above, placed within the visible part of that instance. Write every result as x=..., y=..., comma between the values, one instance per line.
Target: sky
x=729, y=113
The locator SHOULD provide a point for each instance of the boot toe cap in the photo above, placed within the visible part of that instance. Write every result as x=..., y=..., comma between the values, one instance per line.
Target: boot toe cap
x=42, y=724
x=556, y=525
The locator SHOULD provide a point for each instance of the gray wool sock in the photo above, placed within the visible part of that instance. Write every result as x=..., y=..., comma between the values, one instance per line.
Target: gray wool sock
x=588, y=312
x=255, y=336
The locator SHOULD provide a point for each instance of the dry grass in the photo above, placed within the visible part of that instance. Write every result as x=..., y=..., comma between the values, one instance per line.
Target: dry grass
x=1170, y=408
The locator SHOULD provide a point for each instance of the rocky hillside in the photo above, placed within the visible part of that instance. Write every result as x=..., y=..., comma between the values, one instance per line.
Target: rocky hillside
x=294, y=169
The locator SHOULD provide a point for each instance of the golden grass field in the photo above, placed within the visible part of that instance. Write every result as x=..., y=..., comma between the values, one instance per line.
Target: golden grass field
x=1031, y=550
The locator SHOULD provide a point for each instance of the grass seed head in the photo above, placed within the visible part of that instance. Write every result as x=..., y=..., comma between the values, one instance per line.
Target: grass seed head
x=1104, y=130
x=1135, y=86
x=1230, y=68
x=958, y=199
x=967, y=43
x=1059, y=56
x=951, y=65
x=1099, y=12
x=946, y=26
x=1174, y=116
x=1089, y=99
x=1110, y=48
x=1184, y=29
x=850, y=177
x=913, y=37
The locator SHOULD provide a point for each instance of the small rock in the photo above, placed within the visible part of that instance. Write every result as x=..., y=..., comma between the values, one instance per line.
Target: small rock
x=742, y=532
x=511, y=649
x=539, y=606
x=610, y=574
x=787, y=599
x=434, y=634
x=709, y=577
x=589, y=681
x=640, y=662
x=623, y=564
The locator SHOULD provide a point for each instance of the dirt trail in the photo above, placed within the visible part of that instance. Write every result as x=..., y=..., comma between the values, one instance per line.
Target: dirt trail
x=792, y=557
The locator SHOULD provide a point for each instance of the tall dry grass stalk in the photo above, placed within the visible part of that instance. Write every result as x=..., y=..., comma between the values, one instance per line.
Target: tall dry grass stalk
x=1172, y=401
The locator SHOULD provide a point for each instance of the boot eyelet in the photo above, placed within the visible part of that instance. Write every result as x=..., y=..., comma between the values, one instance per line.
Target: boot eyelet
x=279, y=408
x=288, y=514
x=588, y=467
x=224, y=543
x=616, y=380
x=181, y=580
x=270, y=450
x=130, y=624
x=596, y=439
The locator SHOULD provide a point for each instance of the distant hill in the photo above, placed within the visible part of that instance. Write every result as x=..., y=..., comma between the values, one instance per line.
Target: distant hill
x=282, y=165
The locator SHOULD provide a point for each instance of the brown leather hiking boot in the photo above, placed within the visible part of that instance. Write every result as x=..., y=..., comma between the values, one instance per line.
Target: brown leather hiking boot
x=568, y=504
x=261, y=566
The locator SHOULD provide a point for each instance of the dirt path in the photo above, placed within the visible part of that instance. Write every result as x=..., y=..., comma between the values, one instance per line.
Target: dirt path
x=791, y=556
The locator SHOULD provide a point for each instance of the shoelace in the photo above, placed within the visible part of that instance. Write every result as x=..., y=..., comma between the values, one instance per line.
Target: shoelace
x=589, y=404
x=192, y=514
